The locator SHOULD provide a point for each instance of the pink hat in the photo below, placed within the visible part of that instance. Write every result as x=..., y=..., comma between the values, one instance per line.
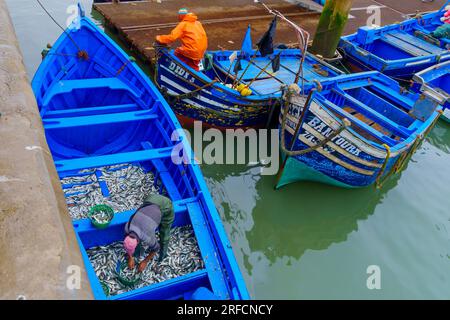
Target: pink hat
x=130, y=245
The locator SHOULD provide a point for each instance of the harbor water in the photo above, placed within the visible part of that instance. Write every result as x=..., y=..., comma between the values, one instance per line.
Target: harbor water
x=312, y=241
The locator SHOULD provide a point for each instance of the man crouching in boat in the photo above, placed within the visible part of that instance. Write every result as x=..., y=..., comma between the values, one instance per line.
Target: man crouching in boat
x=140, y=230
x=193, y=39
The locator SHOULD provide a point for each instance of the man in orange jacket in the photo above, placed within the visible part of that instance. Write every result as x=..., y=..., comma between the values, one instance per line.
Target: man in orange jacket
x=193, y=39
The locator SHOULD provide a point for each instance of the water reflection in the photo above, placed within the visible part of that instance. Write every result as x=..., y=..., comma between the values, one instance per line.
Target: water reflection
x=312, y=216
x=440, y=136
x=269, y=224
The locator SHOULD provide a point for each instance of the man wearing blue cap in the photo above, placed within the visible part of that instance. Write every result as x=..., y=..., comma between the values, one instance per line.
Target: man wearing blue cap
x=192, y=36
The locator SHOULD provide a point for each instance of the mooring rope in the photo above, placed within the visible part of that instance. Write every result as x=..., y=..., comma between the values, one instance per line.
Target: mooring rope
x=81, y=53
x=383, y=168
x=344, y=124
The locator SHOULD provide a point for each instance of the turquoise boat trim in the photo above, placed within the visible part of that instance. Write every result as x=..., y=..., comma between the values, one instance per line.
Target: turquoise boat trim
x=296, y=170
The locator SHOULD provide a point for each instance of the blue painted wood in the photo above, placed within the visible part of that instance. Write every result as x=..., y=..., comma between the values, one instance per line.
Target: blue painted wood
x=66, y=86
x=412, y=49
x=221, y=106
x=112, y=159
x=397, y=50
x=376, y=116
x=209, y=255
x=358, y=156
x=436, y=80
x=102, y=183
x=170, y=289
x=59, y=123
x=418, y=42
x=103, y=110
x=72, y=112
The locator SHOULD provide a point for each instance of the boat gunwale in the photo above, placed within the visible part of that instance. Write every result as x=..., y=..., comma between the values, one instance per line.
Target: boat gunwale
x=425, y=76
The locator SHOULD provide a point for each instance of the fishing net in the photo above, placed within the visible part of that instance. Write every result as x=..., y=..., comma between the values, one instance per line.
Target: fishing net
x=183, y=257
x=127, y=184
x=442, y=32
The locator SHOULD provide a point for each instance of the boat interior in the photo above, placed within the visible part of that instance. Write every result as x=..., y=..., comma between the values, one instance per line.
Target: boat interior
x=81, y=141
x=397, y=44
x=442, y=83
x=270, y=82
x=436, y=78
x=376, y=111
x=102, y=112
x=411, y=39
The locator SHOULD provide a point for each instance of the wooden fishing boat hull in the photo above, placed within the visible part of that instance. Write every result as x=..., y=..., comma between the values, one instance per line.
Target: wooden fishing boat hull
x=216, y=105
x=99, y=109
x=341, y=145
x=437, y=80
x=399, y=50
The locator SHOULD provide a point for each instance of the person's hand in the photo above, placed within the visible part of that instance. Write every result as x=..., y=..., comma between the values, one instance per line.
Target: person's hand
x=142, y=266
x=131, y=263
x=159, y=44
x=145, y=262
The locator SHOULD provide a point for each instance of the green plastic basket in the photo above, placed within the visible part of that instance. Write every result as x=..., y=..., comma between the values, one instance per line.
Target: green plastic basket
x=125, y=280
x=98, y=208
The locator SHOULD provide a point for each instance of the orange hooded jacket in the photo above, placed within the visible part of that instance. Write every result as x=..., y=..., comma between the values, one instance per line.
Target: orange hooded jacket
x=192, y=35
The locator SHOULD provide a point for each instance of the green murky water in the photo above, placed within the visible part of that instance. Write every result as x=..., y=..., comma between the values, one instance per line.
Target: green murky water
x=314, y=241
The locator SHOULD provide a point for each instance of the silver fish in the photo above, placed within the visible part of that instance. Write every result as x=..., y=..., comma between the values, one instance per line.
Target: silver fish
x=184, y=257
x=128, y=185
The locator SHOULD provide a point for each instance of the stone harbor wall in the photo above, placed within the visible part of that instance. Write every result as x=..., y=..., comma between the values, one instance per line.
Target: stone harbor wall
x=39, y=253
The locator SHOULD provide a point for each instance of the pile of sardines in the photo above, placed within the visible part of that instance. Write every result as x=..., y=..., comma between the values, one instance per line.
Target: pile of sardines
x=183, y=257
x=124, y=188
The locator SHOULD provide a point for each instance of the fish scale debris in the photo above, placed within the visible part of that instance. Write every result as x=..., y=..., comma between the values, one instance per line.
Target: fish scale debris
x=183, y=257
x=128, y=185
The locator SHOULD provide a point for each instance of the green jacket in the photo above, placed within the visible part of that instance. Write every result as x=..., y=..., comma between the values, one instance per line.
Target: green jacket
x=167, y=218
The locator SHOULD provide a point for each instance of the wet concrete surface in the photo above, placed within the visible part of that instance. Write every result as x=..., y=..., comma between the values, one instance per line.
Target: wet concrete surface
x=411, y=6
x=225, y=21
x=391, y=11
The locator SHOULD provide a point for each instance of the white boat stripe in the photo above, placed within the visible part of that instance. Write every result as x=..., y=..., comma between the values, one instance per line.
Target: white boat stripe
x=333, y=145
x=200, y=97
x=336, y=159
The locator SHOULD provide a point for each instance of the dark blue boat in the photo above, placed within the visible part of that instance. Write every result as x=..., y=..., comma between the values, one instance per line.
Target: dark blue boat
x=208, y=96
x=398, y=50
x=436, y=79
x=352, y=131
x=99, y=109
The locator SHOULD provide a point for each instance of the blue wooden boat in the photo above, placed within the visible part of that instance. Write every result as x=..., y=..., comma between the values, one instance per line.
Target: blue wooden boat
x=99, y=109
x=436, y=79
x=398, y=50
x=207, y=96
x=353, y=131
